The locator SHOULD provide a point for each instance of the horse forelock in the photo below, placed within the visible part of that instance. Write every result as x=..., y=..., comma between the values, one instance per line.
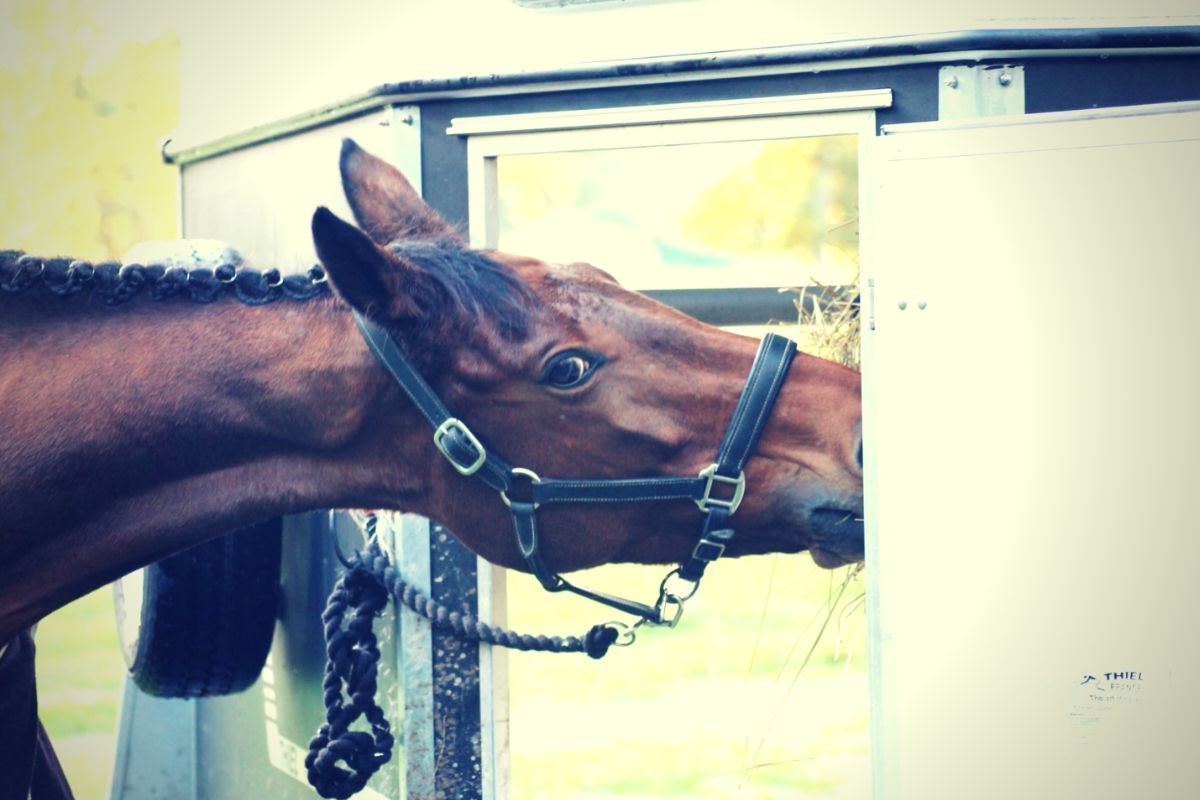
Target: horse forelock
x=466, y=291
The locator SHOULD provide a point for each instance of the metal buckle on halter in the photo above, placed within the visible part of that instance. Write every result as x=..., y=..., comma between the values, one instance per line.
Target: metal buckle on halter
x=707, y=501
x=439, y=441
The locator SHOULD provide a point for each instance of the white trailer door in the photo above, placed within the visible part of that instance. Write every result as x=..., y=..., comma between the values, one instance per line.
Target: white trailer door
x=1032, y=400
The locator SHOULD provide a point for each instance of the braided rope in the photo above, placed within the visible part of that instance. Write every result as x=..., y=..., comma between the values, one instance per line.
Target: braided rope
x=353, y=655
x=594, y=643
x=353, y=659
x=116, y=283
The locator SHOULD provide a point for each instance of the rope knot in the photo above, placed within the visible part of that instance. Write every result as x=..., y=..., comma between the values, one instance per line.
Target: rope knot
x=597, y=640
x=351, y=670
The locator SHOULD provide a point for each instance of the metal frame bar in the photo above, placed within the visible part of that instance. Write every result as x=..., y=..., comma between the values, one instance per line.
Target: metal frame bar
x=1044, y=118
x=156, y=747
x=782, y=106
x=445, y=759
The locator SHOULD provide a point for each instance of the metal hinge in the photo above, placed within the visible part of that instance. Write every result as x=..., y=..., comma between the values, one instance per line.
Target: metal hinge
x=983, y=90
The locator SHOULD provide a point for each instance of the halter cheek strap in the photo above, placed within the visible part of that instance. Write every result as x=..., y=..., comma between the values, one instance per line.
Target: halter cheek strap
x=717, y=490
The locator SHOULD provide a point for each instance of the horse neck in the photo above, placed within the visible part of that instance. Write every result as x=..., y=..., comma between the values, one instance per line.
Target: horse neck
x=130, y=433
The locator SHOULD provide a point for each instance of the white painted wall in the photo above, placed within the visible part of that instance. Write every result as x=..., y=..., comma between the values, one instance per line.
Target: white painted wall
x=1030, y=402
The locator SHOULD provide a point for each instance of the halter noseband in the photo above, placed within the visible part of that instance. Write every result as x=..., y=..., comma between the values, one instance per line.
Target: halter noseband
x=717, y=490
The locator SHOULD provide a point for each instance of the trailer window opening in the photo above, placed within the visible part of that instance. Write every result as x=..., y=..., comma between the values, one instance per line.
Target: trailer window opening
x=732, y=222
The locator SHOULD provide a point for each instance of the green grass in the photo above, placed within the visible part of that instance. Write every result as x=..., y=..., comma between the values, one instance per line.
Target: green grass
x=717, y=708
x=80, y=672
x=724, y=706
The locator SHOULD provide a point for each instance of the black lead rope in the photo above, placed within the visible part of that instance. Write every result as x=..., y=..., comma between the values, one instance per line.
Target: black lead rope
x=351, y=668
x=352, y=657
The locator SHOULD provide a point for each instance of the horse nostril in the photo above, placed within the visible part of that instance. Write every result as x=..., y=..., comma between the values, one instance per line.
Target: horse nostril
x=858, y=454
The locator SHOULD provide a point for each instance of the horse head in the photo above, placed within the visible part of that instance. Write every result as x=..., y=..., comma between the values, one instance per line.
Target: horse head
x=566, y=373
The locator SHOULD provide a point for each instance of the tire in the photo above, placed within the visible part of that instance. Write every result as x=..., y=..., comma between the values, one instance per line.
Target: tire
x=200, y=623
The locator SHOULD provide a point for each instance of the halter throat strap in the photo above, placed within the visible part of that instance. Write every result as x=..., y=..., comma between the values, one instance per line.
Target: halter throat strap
x=717, y=490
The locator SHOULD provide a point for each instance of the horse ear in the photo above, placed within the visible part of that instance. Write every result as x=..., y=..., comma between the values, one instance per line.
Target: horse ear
x=372, y=280
x=384, y=203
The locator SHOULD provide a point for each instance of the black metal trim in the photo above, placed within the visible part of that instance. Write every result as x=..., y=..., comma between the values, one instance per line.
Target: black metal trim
x=972, y=45
x=1122, y=38
x=747, y=306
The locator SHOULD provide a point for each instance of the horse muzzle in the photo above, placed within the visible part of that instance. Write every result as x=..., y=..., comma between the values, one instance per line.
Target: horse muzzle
x=835, y=536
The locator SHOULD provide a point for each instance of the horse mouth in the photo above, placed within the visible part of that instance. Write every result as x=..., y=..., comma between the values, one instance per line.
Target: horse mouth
x=837, y=537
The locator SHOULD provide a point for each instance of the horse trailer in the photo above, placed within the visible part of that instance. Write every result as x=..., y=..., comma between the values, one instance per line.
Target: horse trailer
x=1026, y=240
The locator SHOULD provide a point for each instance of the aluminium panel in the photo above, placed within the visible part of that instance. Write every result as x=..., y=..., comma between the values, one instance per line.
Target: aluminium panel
x=1032, y=427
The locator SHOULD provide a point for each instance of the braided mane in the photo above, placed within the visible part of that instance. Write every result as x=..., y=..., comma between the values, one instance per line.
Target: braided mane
x=116, y=283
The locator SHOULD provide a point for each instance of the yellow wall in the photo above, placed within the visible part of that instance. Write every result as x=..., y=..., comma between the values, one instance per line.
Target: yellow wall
x=87, y=92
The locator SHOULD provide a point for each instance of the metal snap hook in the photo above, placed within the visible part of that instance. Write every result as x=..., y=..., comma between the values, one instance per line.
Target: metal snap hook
x=670, y=610
x=626, y=634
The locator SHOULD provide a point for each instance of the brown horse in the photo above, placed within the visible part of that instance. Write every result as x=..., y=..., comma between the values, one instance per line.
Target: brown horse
x=130, y=432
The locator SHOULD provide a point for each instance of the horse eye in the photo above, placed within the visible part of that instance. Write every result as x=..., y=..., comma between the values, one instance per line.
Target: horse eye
x=569, y=369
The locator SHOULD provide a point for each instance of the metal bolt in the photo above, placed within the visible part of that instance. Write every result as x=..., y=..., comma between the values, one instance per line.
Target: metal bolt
x=903, y=304
x=1004, y=79
x=408, y=119
x=952, y=82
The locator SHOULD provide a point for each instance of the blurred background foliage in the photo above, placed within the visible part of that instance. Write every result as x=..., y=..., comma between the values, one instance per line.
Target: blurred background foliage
x=798, y=195
x=702, y=214
x=88, y=91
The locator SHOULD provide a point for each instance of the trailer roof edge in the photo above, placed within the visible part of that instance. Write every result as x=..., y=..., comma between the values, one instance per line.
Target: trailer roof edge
x=965, y=45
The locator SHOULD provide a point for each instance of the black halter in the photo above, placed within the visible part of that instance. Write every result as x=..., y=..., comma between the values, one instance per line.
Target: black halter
x=717, y=490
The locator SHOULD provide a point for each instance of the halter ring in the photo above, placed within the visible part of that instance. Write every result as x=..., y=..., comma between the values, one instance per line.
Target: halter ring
x=664, y=590
x=533, y=477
